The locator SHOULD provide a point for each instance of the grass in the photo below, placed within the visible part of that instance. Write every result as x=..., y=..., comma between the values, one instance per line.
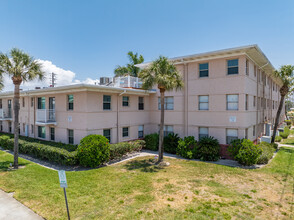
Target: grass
x=289, y=140
x=137, y=189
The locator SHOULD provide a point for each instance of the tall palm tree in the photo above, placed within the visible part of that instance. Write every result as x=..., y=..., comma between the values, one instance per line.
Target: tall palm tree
x=130, y=69
x=21, y=68
x=285, y=73
x=164, y=74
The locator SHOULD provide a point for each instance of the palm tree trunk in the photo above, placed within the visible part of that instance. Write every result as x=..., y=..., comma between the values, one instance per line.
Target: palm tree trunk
x=16, y=123
x=277, y=118
x=160, y=153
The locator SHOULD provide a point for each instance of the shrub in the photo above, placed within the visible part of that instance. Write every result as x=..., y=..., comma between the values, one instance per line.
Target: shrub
x=117, y=151
x=267, y=152
x=286, y=133
x=288, y=122
x=170, y=143
x=187, y=147
x=93, y=150
x=234, y=147
x=208, y=149
x=278, y=138
x=152, y=141
x=248, y=153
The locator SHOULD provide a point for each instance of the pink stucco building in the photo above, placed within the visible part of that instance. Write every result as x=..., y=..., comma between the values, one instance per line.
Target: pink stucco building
x=228, y=94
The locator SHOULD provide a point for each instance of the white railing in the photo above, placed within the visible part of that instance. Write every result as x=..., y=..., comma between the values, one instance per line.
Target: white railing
x=127, y=82
x=5, y=114
x=46, y=115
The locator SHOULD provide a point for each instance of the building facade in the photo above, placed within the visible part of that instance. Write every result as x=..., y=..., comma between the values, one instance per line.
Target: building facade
x=228, y=94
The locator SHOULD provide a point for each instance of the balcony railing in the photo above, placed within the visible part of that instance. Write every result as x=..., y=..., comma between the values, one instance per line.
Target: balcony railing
x=127, y=82
x=5, y=114
x=46, y=116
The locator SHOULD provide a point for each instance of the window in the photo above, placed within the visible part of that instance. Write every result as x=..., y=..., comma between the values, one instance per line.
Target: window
x=106, y=102
x=107, y=134
x=10, y=127
x=247, y=67
x=52, y=134
x=41, y=132
x=140, y=131
x=168, y=103
x=41, y=103
x=254, y=101
x=253, y=133
x=258, y=75
x=203, y=102
x=70, y=102
x=125, y=132
x=23, y=127
x=23, y=102
x=0, y=103
x=232, y=102
x=246, y=133
x=70, y=134
x=168, y=129
x=232, y=134
x=255, y=70
x=273, y=104
x=125, y=101
x=141, y=103
x=246, y=102
x=1, y=126
x=32, y=129
x=233, y=66
x=203, y=70
x=32, y=102
x=203, y=132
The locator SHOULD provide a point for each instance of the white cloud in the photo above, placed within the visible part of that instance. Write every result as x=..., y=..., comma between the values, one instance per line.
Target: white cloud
x=63, y=77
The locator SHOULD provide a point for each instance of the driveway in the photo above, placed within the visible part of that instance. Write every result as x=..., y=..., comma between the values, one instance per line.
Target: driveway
x=11, y=209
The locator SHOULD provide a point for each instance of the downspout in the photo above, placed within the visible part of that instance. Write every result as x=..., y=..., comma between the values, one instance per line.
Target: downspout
x=34, y=117
x=185, y=98
x=117, y=115
x=257, y=105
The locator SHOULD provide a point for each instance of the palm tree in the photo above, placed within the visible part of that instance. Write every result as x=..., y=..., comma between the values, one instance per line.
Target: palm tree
x=130, y=69
x=285, y=73
x=21, y=68
x=164, y=74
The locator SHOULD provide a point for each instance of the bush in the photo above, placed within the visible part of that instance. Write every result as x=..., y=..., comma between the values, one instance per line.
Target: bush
x=286, y=133
x=234, y=147
x=278, y=138
x=93, y=150
x=187, y=147
x=208, y=149
x=117, y=151
x=248, y=153
x=170, y=143
x=41, y=151
x=288, y=122
x=267, y=152
x=152, y=141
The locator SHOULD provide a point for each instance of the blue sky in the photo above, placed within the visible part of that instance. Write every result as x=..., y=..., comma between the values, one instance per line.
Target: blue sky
x=90, y=38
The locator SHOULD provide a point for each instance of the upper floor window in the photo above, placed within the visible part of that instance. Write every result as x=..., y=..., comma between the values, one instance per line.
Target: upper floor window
x=141, y=103
x=203, y=102
x=70, y=102
x=41, y=103
x=246, y=102
x=106, y=102
x=233, y=66
x=107, y=134
x=32, y=102
x=232, y=102
x=203, y=70
x=0, y=103
x=203, y=132
x=255, y=70
x=125, y=101
x=254, y=101
x=168, y=103
x=247, y=67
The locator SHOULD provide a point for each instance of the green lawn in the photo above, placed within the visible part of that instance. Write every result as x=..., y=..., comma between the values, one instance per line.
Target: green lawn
x=289, y=140
x=138, y=190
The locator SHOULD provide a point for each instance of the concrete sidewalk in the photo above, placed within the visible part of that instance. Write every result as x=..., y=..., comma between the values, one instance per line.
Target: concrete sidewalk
x=11, y=209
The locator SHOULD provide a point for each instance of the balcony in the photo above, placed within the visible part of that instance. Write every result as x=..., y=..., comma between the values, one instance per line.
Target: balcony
x=45, y=117
x=5, y=115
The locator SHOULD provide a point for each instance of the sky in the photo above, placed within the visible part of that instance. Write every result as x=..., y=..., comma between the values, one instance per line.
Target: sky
x=82, y=40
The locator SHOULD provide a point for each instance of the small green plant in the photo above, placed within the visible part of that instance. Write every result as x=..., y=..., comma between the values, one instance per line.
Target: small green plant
x=170, y=143
x=234, y=147
x=278, y=139
x=93, y=150
x=267, y=152
x=208, y=149
x=286, y=133
x=187, y=147
x=152, y=141
x=248, y=153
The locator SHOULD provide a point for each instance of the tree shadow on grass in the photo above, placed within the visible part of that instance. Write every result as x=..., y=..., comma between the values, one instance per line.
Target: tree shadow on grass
x=5, y=166
x=146, y=165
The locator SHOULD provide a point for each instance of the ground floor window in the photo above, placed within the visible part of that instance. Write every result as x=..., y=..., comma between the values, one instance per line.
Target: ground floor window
x=107, y=134
x=70, y=136
x=1, y=126
x=9, y=127
x=32, y=129
x=141, y=131
x=52, y=134
x=41, y=132
x=167, y=129
x=203, y=132
x=246, y=133
x=125, y=132
x=253, y=132
x=232, y=134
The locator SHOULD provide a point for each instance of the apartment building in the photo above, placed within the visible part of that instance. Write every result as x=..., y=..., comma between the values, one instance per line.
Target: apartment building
x=228, y=94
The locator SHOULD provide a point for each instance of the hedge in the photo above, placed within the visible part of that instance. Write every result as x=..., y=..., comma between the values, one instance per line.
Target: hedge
x=117, y=151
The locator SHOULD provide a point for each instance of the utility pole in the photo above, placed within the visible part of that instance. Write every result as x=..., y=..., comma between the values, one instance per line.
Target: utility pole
x=53, y=80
